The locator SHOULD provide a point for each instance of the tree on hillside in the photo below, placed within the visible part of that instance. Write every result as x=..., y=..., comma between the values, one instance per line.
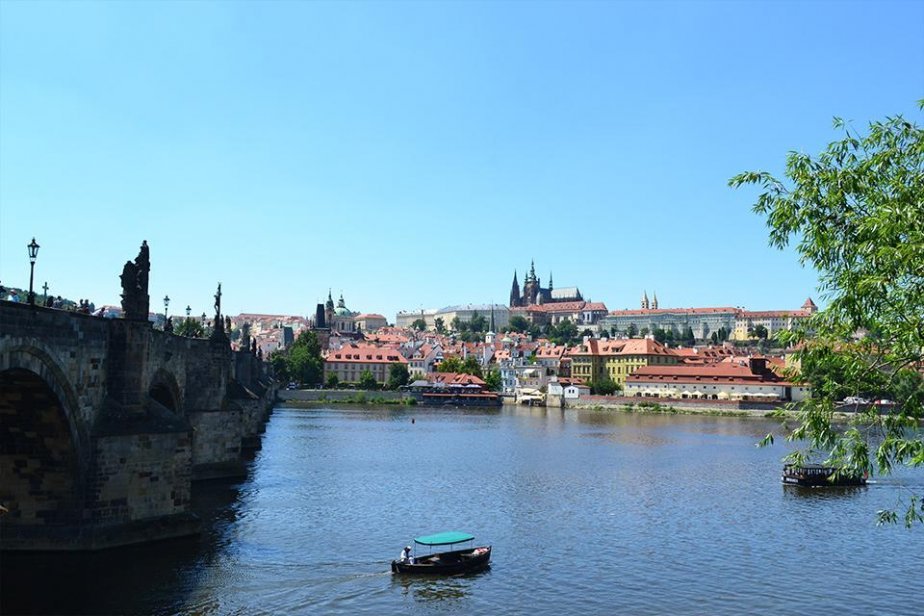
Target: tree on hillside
x=518, y=324
x=856, y=212
x=419, y=325
x=632, y=330
x=440, y=325
x=478, y=323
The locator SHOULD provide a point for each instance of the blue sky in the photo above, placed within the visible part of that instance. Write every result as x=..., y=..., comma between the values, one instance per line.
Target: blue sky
x=415, y=154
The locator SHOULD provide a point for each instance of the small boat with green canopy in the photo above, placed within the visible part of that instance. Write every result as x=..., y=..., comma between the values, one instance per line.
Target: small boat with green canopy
x=468, y=558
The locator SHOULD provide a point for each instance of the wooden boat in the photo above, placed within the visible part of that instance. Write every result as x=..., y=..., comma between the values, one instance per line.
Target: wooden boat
x=445, y=563
x=817, y=475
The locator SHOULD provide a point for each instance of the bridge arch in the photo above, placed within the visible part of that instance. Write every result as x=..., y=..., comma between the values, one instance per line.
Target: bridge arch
x=42, y=446
x=165, y=390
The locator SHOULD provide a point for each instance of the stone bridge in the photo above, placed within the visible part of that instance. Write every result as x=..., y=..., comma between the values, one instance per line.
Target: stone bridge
x=105, y=424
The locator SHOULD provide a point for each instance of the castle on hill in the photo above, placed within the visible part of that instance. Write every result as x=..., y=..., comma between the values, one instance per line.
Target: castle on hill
x=533, y=292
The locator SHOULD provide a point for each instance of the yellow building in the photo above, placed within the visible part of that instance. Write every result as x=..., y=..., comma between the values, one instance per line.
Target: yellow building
x=595, y=360
x=623, y=357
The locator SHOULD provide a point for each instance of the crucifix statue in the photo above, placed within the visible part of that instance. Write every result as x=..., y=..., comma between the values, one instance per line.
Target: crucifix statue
x=218, y=321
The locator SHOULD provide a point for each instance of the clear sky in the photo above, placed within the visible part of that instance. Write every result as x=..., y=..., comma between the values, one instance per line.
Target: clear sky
x=415, y=154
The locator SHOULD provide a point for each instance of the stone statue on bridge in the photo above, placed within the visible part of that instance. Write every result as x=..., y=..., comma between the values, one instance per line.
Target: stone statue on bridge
x=218, y=327
x=135, y=298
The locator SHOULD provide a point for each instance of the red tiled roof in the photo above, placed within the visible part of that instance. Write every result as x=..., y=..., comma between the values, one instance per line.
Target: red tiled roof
x=365, y=353
x=454, y=378
x=653, y=311
x=716, y=372
x=772, y=314
x=566, y=307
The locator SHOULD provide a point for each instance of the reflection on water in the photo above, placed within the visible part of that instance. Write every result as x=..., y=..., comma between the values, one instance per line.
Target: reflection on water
x=446, y=589
x=588, y=512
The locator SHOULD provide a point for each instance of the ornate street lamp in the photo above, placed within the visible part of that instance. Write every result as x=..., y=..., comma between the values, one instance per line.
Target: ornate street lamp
x=188, y=310
x=166, y=304
x=33, y=253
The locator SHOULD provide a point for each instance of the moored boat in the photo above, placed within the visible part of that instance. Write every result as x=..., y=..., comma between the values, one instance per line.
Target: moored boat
x=463, y=560
x=818, y=475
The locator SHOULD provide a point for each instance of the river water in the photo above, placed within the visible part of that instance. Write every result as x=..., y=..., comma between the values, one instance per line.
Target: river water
x=589, y=512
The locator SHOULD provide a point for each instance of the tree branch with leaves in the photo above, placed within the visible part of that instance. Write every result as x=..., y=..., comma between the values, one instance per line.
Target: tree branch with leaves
x=856, y=215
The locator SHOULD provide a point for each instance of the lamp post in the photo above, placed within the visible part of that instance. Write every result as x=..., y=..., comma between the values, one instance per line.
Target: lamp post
x=33, y=253
x=166, y=304
x=188, y=310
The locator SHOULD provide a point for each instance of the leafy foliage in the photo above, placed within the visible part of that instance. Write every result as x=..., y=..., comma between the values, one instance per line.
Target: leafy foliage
x=493, y=380
x=856, y=212
x=191, y=328
x=453, y=364
x=301, y=362
x=419, y=325
x=367, y=380
x=605, y=387
x=398, y=376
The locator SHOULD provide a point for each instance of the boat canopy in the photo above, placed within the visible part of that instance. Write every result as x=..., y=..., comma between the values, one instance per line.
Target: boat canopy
x=444, y=538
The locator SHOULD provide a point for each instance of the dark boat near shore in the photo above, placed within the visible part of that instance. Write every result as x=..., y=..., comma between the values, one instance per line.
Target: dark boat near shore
x=446, y=563
x=818, y=475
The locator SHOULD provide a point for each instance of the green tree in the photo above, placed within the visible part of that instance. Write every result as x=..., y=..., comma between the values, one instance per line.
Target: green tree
x=280, y=362
x=398, y=376
x=605, y=387
x=632, y=330
x=332, y=381
x=492, y=379
x=644, y=332
x=689, y=339
x=856, y=212
x=565, y=332
x=450, y=364
x=518, y=324
x=759, y=332
x=714, y=337
x=440, y=325
x=478, y=323
x=419, y=325
x=471, y=366
x=303, y=359
x=367, y=380
x=191, y=328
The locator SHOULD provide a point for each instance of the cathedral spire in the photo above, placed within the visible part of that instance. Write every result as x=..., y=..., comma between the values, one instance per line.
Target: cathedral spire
x=644, y=300
x=515, y=291
x=550, y=281
x=654, y=301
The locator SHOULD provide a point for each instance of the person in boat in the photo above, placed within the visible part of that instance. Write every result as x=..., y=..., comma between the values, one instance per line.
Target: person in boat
x=406, y=556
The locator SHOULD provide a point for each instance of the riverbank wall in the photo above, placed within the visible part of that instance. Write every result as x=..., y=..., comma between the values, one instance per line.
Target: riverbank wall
x=710, y=407
x=339, y=395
